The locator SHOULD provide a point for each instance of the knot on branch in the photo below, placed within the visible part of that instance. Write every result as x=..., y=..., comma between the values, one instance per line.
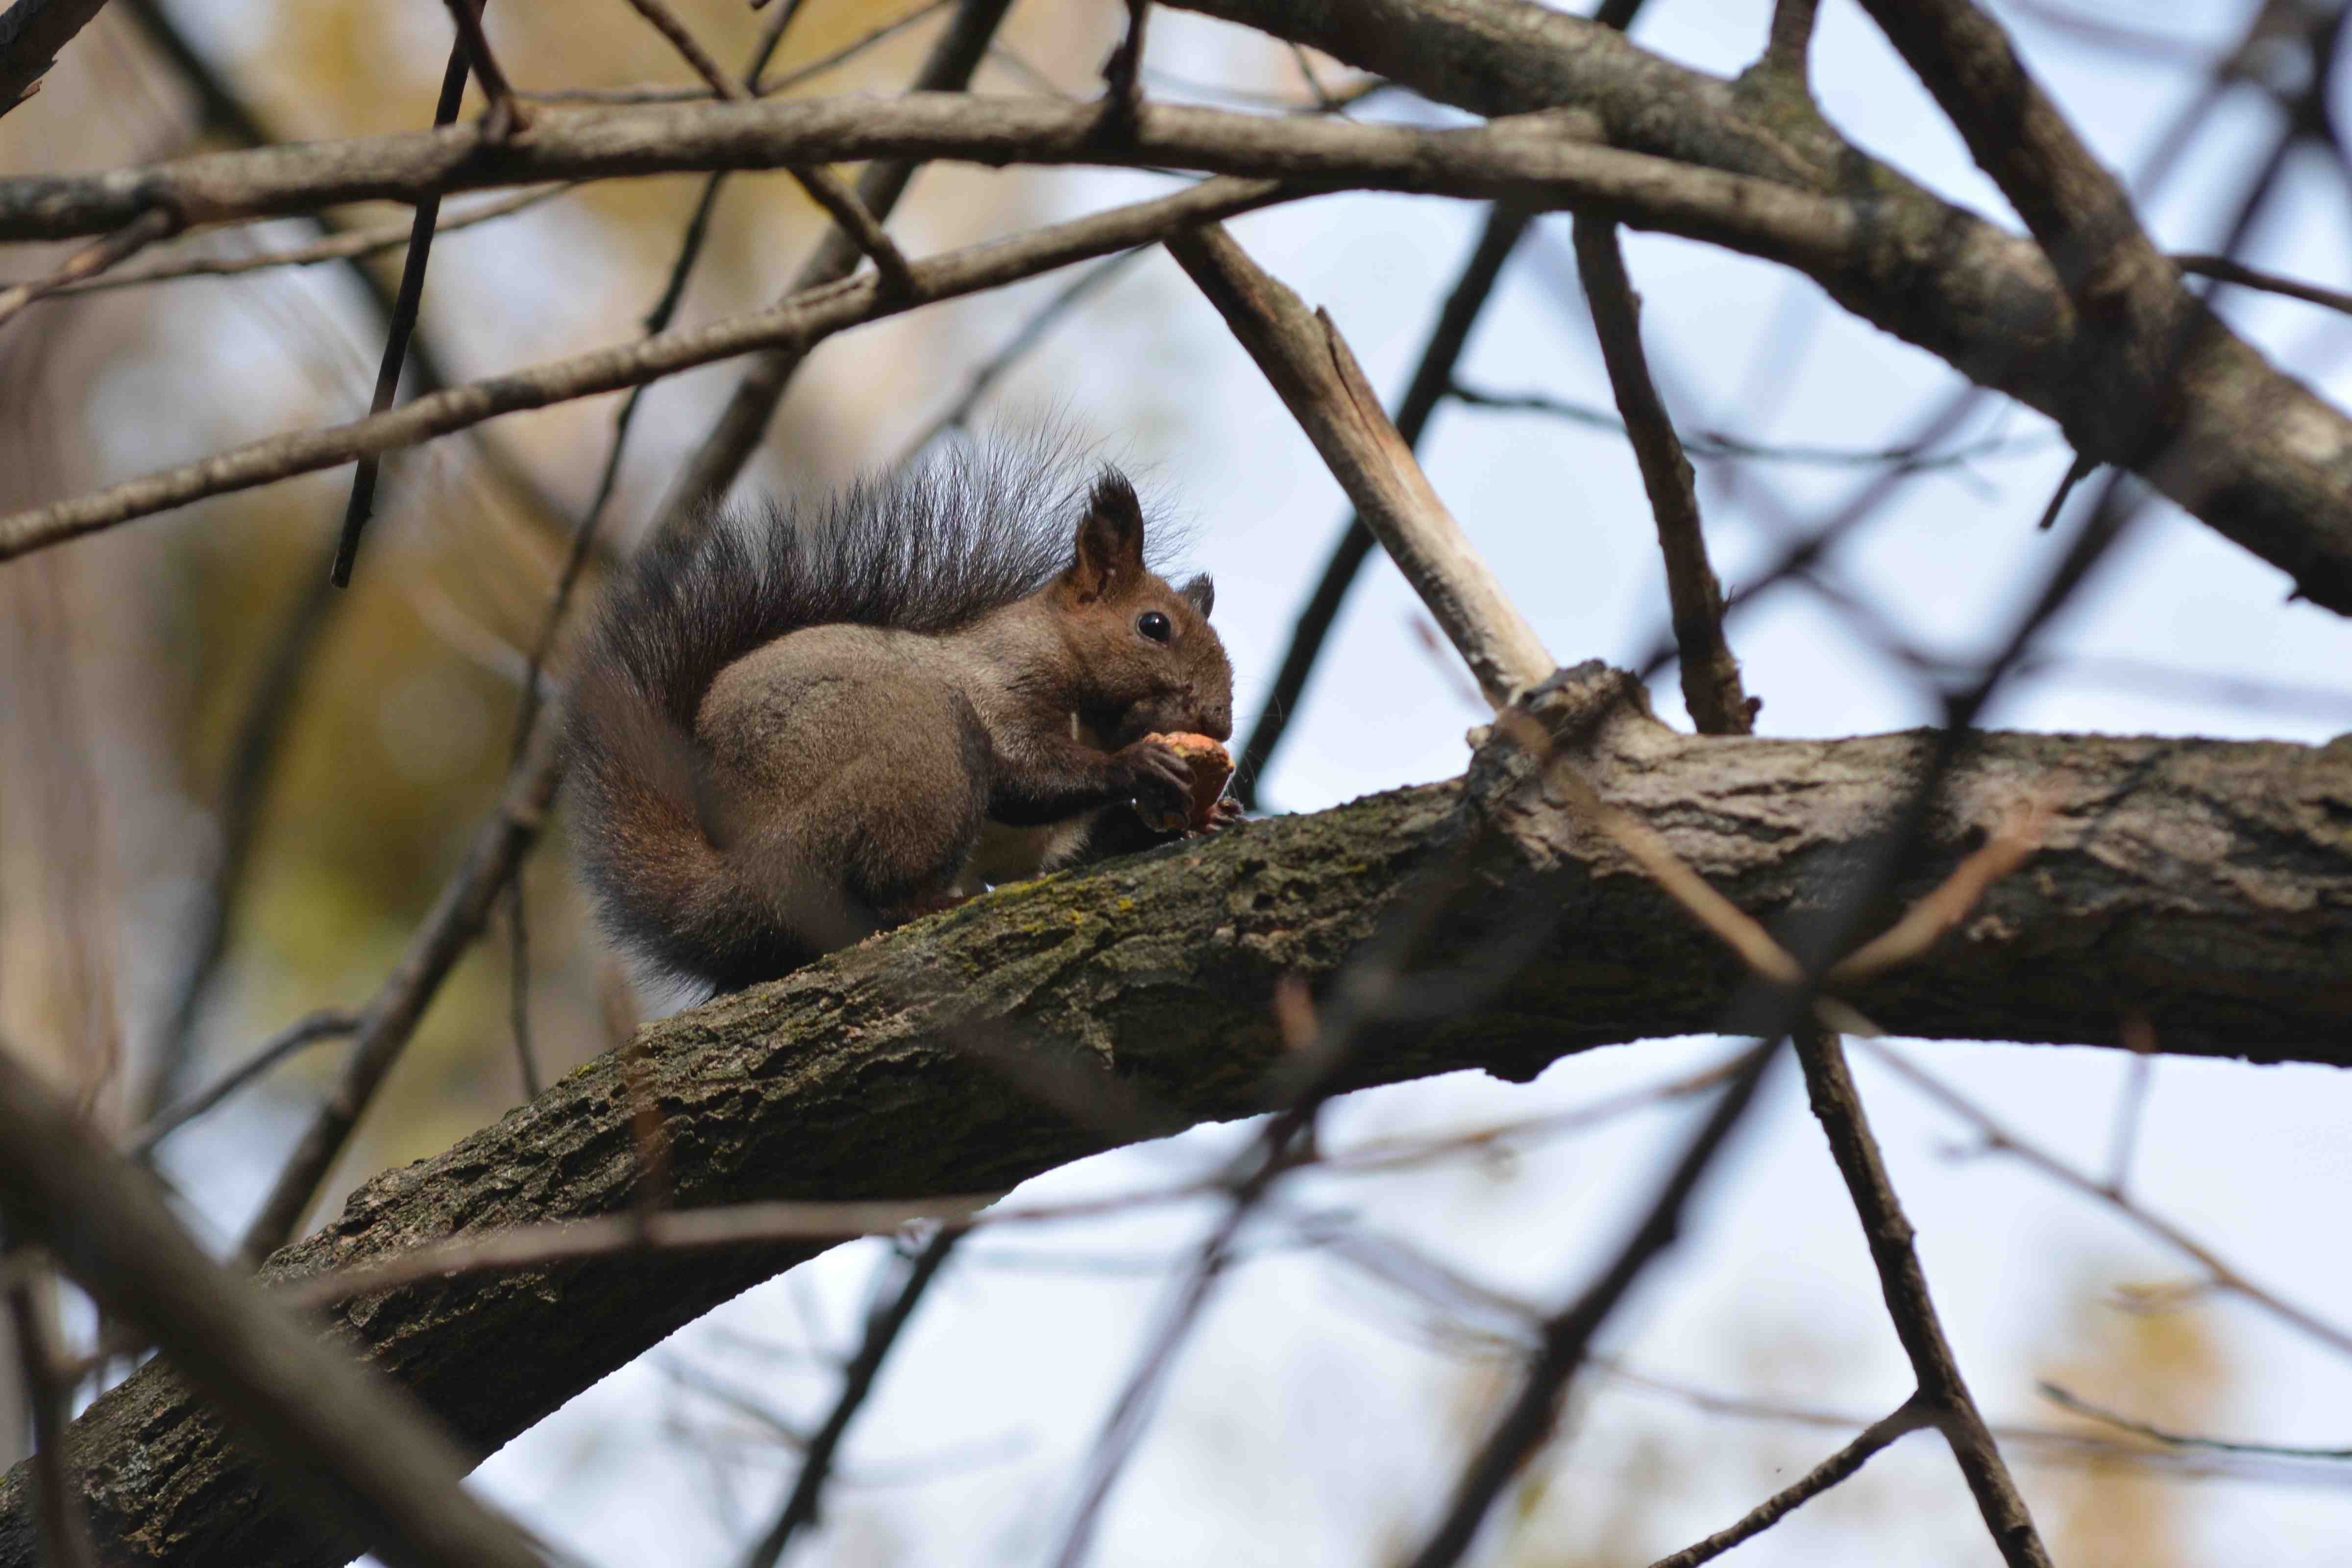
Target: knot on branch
x=1578, y=712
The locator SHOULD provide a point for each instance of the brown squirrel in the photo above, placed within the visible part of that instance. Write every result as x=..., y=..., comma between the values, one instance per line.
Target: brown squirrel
x=790, y=732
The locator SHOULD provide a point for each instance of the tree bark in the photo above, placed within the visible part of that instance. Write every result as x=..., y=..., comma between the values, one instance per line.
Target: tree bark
x=2203, y=886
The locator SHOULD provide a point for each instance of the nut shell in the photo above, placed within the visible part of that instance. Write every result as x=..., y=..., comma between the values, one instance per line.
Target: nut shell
x=1213, y=769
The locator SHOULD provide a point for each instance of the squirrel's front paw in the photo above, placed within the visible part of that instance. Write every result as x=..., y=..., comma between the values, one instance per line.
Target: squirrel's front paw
x=1224, y=814
x=1158, y=782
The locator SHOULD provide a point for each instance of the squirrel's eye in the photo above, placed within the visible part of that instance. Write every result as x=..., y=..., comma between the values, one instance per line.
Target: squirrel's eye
x=1155, y=625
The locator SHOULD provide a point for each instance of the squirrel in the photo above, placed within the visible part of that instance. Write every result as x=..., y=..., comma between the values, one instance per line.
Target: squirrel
x=792, y=732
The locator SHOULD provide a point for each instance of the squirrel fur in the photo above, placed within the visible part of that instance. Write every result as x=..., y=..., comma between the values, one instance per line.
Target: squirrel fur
x=792, y=730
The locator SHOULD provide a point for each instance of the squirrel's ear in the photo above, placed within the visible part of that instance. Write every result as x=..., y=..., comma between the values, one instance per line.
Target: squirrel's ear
x=1200, y=593
x=1109, y=554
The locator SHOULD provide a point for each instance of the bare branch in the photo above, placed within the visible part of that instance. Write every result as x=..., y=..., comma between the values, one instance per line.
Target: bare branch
x=1888, y=1233
x=31, y=1291
x=2171, y=1439
x=703, y=478
x=389, y=1480
x=1905, y=1418
x=2002, y=1139
x=350, y=244
x=1432, y=377
x=125, y=242
x=1568, y=1338
x=1711, y=690
x=1309, y=364
x=801, y=321
x=402, y=325
x=2254, y=453
x=800, y=1508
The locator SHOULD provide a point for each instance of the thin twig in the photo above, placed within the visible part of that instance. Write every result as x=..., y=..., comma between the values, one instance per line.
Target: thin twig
x=2171, y=1439
x=360, y=505
x=2035, y=1444
x=350, y=244
x=824, y=187
x=2224, y=269
x=841, y=56
x=123, y=244
x=1032, y=331
x=505, y=116
x=1906, y=1417
x=1568, y=1337
x=2123, y=1140
x=729, y=444
x=327, y=1024
x=1906, y=458
x=1710, y=675
x=800, y=1508
x=2077, y=470
x=1886, y=1229
x=681, y=37
x=1123, y=74
x=850, y=217
x=31, y=1294
x=2001, y=1139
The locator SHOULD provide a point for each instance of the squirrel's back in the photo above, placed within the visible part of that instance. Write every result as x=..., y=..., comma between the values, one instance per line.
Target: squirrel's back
x=929, y=549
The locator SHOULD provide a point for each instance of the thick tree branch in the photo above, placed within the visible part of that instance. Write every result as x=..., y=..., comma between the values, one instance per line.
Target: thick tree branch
x=2207, y=885
x=1546, y=157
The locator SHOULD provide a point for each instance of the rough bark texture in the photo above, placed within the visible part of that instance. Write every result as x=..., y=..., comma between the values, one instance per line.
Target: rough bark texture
x=2204, y=886
x=2252, y=452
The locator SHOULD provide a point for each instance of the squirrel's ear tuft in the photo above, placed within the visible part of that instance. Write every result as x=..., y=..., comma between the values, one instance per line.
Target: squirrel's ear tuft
x=1109, y=553
x=1200, y=593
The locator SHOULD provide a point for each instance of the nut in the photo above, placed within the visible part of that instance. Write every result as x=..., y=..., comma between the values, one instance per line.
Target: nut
x=1213, y=769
